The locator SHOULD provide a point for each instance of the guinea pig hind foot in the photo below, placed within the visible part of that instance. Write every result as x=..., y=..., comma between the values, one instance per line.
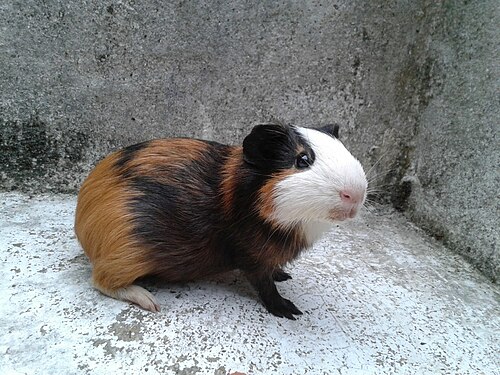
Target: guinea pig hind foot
x=134, y=294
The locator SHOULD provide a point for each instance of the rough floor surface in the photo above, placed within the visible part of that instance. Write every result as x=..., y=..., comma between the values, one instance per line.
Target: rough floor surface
x=378, y=298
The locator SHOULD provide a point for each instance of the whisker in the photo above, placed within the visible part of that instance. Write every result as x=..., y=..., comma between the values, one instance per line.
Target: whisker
x=382, y=173
x=369, y=208
x=378, y=161
x=377, y=190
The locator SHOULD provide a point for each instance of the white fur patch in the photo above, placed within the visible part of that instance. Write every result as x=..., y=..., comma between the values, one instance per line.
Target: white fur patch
x=314, y=230
x=312, y=195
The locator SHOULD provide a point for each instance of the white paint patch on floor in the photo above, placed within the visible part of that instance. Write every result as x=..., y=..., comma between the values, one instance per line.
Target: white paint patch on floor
x=378, y=298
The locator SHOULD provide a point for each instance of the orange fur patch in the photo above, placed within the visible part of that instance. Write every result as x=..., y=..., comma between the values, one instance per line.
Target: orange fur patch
x=104, y=228
x=166, y=152
x=230, y=178
x=266, y=194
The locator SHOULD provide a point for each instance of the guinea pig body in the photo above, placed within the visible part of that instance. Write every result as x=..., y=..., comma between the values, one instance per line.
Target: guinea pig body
x=183, y=209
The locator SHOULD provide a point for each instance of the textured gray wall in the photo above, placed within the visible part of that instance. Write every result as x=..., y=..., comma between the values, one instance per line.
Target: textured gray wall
x=81, y=78
x=454, y=177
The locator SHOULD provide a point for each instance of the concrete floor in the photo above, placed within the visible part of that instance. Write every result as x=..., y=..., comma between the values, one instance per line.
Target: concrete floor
x=378, y=297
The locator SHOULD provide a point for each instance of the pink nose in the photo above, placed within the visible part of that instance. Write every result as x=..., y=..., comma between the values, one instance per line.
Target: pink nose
x=349, y=197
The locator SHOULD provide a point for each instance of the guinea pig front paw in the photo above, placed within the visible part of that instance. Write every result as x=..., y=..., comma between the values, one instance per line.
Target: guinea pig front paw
x=270, y=297
x=280, y=275
x=282, y=308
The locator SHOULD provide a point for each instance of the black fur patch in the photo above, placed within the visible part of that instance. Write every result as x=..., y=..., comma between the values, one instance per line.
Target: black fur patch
x=180, y=220
x=128, y=153
x=274, y=147
x=331, y=129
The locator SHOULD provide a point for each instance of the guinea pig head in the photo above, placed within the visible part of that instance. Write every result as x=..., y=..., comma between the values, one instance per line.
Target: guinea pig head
x=307, y=174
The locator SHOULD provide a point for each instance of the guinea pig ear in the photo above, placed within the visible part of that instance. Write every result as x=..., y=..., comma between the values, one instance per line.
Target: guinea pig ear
x=266, y=144
x=332, y=129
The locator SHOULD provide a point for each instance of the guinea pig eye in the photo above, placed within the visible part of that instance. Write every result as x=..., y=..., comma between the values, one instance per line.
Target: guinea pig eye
x=302, y=161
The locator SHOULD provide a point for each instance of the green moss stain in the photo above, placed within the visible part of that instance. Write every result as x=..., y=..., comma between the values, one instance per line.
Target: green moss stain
x=416, y=82
x=32, y=154
x=402, y=189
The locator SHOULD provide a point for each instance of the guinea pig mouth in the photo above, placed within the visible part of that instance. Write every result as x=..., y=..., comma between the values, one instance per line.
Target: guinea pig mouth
x=343, y=214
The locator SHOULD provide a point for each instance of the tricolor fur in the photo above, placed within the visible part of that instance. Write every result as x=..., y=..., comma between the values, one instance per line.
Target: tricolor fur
x=183, y=209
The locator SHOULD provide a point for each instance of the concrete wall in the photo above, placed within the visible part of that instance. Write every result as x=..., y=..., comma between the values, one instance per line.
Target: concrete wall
x=81, y=78
x=454, y=176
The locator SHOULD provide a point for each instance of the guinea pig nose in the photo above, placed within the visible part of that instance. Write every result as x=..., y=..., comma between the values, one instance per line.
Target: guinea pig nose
x=348, y=197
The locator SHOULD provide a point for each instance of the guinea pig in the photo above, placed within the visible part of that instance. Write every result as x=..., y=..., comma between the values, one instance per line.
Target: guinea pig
x=183, y=209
